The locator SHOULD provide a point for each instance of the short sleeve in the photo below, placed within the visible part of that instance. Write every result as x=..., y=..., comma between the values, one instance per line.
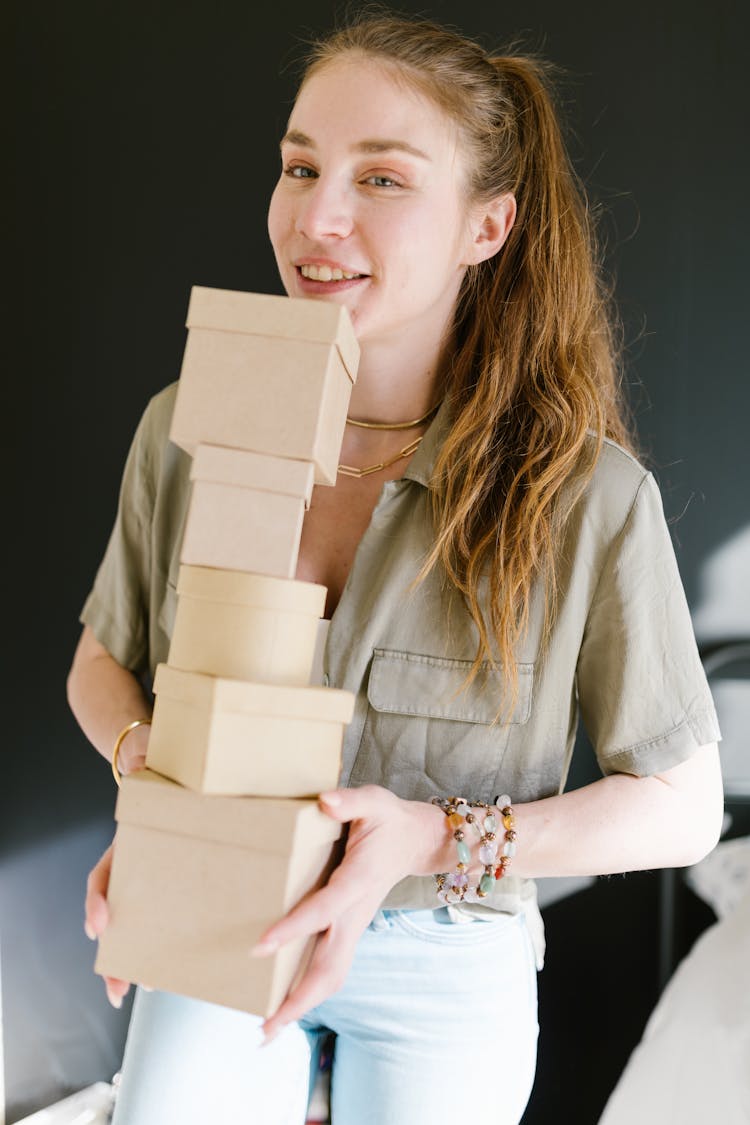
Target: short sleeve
x=642, y=690
x=117, y=607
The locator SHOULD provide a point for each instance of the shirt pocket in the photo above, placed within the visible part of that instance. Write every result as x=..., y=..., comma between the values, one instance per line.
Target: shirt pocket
x=426, y=734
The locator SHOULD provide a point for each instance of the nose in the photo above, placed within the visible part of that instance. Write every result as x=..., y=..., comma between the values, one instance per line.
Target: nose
x=325, y=211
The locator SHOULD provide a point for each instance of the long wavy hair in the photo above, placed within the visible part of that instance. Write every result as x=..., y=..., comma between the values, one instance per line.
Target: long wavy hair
x=532, y=373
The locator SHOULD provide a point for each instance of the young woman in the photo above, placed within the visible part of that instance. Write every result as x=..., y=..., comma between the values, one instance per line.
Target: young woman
x=490, y=580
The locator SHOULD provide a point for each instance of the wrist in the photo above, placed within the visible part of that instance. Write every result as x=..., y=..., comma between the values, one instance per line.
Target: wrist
x=436, y=849
x=493, y=828
x=129, y=750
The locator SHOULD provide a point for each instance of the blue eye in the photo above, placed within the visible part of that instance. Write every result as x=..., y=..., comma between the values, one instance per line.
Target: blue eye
x=300, y=172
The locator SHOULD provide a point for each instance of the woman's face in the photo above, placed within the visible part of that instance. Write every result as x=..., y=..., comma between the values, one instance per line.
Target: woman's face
x=369, y=210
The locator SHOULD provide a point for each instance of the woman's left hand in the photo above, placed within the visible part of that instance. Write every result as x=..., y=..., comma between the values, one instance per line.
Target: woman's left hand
x=388, y=839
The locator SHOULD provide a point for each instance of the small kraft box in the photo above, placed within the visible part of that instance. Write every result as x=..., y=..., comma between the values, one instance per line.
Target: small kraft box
x=216, y=735
x=246, y=511
x=267, y=374
x=196, y=880
x=245, y=626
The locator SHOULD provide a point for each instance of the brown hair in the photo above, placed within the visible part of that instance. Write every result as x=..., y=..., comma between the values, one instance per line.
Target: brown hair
x=533, y=380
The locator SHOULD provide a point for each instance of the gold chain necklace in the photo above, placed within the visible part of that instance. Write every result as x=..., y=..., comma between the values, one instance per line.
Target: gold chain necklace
x=393, y=425
x=351, y=471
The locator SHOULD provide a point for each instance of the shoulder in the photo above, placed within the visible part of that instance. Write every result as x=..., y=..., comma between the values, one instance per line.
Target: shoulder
x=151, y=439
x=154, y=465
x=615, y=487
x=157, y=417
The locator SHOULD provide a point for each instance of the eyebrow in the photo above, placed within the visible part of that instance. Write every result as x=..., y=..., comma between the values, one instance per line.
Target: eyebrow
x=386, y=144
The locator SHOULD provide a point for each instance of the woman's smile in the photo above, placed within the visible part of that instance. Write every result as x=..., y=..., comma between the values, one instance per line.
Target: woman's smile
x=324, y=276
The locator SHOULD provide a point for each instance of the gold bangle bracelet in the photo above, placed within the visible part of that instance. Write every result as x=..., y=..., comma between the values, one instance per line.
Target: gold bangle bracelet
x=120, y=739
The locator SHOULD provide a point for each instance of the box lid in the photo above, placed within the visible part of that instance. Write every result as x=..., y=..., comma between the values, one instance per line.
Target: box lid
x=267, y=824
x=241, y=587
x=259, y=314
x=282, y=700
x=220, y=465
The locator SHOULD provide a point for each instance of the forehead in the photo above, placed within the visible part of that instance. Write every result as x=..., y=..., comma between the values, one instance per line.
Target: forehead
x=351, y=99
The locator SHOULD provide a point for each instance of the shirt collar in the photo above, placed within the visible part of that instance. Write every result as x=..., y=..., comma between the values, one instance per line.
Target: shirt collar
x=422, y=464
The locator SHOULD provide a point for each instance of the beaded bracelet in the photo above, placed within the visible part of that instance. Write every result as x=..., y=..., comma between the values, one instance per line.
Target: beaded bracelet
x=454, y=886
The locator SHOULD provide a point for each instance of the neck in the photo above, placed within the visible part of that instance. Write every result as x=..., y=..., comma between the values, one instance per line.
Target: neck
x=394, y=384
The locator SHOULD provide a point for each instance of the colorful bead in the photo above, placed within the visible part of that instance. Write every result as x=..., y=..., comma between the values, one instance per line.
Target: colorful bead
x=454, y=887
x=486, y=883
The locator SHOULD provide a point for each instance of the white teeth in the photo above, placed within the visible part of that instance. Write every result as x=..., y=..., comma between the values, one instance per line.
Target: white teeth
x=326, y=273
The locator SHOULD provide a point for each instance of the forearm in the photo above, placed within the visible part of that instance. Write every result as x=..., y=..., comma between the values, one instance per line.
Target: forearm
x=624, y=823
x=616, y=824
x=105, y=697
x=619, y=823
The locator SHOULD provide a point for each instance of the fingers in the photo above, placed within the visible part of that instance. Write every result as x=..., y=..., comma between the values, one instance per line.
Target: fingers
x=97, y=912
x=116, y=990
x=350, y=885
x=325, y=974
x=364, y=874
x=350, y=804
x=310, y=916
x=97, y=917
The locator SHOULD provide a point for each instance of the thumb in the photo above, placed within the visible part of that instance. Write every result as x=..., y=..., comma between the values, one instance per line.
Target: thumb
x=351, y=804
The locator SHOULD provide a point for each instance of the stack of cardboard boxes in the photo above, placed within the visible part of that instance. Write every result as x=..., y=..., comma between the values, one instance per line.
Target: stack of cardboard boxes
x=220, y=835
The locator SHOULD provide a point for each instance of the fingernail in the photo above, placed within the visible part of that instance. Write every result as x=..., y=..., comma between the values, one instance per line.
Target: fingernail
x=264, y=948
x=116, y=1001
x=331, y=799
x=89, y=931
x=268, y=1037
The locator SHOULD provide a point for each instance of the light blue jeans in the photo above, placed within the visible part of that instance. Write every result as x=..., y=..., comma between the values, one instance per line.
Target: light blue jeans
x=435, y=1017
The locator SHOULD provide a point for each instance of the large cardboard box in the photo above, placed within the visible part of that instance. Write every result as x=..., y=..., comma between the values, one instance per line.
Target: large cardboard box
x=245, y=626
x=196, y=880
x=246, y=511
x=232, y=737
x=268, y=374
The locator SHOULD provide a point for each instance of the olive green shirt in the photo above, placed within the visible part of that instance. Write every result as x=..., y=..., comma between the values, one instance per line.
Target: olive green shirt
x=622, y=649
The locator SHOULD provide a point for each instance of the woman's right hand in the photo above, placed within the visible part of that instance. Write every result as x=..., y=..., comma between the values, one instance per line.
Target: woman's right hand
x=97, y=917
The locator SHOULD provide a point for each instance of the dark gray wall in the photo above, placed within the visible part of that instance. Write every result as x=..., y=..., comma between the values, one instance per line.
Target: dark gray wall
x=146, y=151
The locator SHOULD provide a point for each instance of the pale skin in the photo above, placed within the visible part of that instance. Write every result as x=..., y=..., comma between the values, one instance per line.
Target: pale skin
x=370, y=173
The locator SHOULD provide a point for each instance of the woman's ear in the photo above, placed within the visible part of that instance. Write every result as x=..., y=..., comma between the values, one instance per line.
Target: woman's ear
x=490, y=225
